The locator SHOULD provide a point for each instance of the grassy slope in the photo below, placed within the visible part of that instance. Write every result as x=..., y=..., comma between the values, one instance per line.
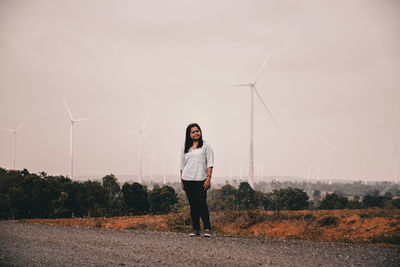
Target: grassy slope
x=372, y=225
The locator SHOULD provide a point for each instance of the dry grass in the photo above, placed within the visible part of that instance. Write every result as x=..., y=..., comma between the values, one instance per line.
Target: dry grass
x=145, y=222
x=371, y=226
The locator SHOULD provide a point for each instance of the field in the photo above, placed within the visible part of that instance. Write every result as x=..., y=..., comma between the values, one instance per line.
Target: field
x=356, y=226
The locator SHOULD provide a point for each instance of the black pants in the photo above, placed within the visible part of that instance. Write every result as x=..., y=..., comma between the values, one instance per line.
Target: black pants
x=198, y=206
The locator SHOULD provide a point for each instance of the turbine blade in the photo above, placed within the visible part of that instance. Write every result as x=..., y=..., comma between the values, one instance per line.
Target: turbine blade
x=145, y=122
x=262, y=101
x=8, y=129
x=20, y=126
x=69, y=112
x=78, y=120
x=239, y=85
x=326, y=142
x=261, y=70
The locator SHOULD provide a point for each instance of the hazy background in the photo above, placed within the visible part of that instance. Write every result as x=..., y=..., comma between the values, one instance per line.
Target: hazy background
x=334, y=72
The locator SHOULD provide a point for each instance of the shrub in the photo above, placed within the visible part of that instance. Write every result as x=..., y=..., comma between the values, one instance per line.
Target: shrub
x=333, y=201
x=180, y=221
x=385, y=238
x=309, y=217
x=289, y=199
x=328, y=221
x=162, y=199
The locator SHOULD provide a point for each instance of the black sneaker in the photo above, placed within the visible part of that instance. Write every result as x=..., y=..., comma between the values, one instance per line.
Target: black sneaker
x=207, y=233
x=194, y=233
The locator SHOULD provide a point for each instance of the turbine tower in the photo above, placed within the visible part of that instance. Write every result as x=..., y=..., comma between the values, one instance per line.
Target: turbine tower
x=71, y=144
x=140, y=132
x=166, y=149
x=309, y=166
x=278, y=166
x=330, y=148
x=14, y=132
x=253, y=89
x=152, y=158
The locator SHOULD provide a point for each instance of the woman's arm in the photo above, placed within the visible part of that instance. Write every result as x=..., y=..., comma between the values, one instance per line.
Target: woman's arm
x=207, y=182
x=210, y=165
x=182, y=163
x=183, y=187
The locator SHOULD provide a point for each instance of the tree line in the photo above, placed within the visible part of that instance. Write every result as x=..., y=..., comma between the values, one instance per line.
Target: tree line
x=28, y=195
x=244, y=198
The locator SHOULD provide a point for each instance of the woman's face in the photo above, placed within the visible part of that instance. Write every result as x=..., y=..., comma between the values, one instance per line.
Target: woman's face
x=195, y=133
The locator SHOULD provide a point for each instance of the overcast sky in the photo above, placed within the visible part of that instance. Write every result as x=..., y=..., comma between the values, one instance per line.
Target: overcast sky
x=334, y=72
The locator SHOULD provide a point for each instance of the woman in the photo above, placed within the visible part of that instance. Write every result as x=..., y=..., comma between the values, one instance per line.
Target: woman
x=197, y=161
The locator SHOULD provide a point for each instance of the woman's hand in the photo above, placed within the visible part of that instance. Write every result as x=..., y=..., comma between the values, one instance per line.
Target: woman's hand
x=207, y=184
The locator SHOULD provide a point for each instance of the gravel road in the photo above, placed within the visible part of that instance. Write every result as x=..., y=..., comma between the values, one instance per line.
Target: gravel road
x=24, y=244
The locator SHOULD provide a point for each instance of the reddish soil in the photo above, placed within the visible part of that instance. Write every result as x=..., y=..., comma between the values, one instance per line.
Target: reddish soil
x=373, y=225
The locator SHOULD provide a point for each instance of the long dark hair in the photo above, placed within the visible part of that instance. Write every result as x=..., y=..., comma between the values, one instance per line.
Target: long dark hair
x=188, y=140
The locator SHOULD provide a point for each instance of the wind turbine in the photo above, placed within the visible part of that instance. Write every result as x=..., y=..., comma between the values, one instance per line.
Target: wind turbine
x=71, y=148
x=318, y=171
x=278, y=158
x=309, y=166
x=230, y=171
x=152, y=158
x=242, y=166
x=140, y=132
x=15, y=140
x=166, y=149
x=330, y=148
x=253, y=89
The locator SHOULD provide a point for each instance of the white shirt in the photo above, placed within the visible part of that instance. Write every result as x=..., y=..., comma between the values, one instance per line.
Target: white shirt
x=195, y=162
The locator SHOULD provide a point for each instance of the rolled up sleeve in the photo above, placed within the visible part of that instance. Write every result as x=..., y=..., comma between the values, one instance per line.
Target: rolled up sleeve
x=209, y=156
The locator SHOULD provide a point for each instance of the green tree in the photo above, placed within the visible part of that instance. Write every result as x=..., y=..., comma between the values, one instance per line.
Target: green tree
x=289, y=199
x=135, y=197
x=110, y=183
x=317, y=195
x=262, y=200
x=370, y=201
x=228, y=197
x=353, y=205
x=11, y=194
x=333, y=201
x=162, y=199
x=245, y=196
x=95, y=198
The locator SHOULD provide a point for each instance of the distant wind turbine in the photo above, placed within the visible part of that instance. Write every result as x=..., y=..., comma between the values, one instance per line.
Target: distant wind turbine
x=166, y=149
x=252, y=87
x=140, y=132
x=330, y=148
x=309, y=166
x=242, y=166
x=278, y=159
x=152, y=158
x=318, y=171
x=14, y=132
x=71, y=148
